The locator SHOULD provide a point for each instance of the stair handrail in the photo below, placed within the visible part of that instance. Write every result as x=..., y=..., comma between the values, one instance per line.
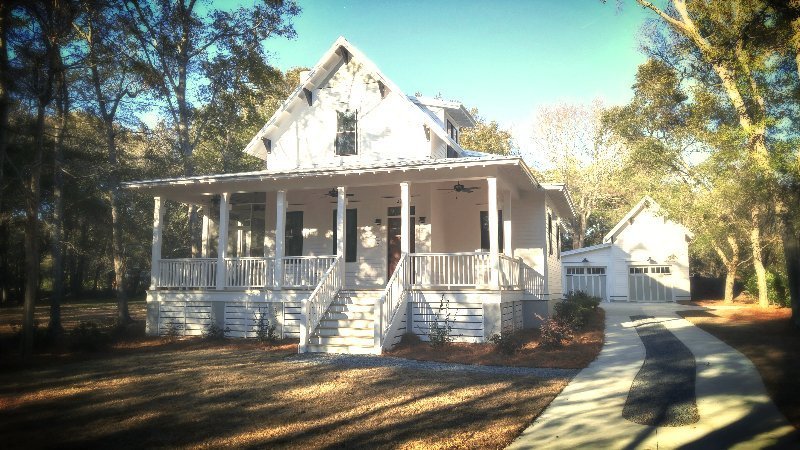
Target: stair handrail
x=390, y=301
x=320, y=299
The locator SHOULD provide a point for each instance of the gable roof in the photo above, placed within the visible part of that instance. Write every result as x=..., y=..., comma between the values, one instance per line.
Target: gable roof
x=646, y=202
x=458, y=113
x=562, y=200
x=578, y=251
x=340, y=49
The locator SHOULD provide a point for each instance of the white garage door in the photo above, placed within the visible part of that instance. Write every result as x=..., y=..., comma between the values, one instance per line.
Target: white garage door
x=650, y=284
x=591, y=280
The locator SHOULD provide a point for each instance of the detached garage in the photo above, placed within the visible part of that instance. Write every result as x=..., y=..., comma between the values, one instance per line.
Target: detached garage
x=644, y=258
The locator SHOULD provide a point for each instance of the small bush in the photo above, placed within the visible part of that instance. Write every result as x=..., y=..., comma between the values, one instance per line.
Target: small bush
x=575, y=310
x=439, y=330
x=214, y=332
x=266, y=330
x=174, y=331
x=409, y=339
x=507, y=343
x=554, y=334
x=88, y=336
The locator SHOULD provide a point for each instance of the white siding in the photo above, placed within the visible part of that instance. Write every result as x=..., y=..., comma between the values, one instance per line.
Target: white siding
x=388, y=128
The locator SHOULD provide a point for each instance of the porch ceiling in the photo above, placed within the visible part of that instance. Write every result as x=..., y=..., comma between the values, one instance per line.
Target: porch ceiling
x=512, y=173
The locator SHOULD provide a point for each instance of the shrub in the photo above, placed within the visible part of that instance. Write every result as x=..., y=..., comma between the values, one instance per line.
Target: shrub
x=507, y=343
x=554, y=333
x=776, y=288
x=409, y=339
x=575, y=310
x=173, y=332
x=439, y=329
x=88, y=336
x=265, y=330
x=214, y=332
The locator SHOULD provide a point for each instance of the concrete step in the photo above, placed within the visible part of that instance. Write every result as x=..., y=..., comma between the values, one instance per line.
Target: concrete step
x=342, y=340
x=345, y=322
x=348, y=349
x=345, y=332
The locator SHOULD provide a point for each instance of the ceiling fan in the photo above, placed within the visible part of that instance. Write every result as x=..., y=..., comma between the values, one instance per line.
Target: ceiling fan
x=458, y=188
x=333, y=193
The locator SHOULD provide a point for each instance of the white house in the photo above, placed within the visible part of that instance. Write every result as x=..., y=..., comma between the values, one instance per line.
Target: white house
x=644, y=258
x=367, y=216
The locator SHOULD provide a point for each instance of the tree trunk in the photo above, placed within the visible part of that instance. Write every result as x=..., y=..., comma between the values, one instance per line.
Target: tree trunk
x=32, y=237
x=55, y=328
x=580, y=233
x=758, y=261
x=791, y=252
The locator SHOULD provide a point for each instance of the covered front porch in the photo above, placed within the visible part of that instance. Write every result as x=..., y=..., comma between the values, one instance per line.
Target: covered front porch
x=466, y=232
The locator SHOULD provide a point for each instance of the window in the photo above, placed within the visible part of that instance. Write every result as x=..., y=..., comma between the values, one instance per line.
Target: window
x=638, y=270
x=394, y=211
x=575, y=270
x=558, y=240
x=596, y=270
x=451, y=152
x=346, y=130
x=662, y=269
x=294, y=233
x=452, y=131
x=485, y=230
x=550, y=232
x=351, y=227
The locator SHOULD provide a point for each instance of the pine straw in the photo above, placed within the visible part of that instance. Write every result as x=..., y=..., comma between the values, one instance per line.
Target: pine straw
x=575, y=355
x=228, y=396
x=769, y=340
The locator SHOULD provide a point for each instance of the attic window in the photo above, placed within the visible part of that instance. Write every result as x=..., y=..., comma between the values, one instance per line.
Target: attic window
x=346, y=128
x=267, y=144
x=452, y=131
x=451, y=152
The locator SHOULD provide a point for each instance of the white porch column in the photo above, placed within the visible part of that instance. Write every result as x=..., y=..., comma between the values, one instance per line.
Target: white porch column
x=405, y=218
x=341, y=217
x=494, y=258
x=159, y=211
x=222, y=239
x=508, y=250
x=280, y=236
x=206, y=244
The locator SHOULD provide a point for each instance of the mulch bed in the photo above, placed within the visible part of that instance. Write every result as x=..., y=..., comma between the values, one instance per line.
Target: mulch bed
x=575, y=355
x=768, y=338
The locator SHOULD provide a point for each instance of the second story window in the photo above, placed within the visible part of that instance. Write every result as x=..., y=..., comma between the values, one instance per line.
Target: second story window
x=452, y=131
x=346, y=127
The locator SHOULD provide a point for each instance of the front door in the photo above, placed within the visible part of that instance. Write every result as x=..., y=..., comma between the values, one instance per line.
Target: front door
x=394, y=225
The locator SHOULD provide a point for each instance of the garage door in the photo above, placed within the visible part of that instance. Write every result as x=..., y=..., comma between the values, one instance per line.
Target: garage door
x=591, y=280
x=649, y=284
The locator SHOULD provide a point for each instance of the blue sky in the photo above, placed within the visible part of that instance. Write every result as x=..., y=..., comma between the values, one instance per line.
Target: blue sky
x=504, y=57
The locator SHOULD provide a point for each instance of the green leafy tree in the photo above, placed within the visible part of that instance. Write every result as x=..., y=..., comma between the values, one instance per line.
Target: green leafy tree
x=487, y=137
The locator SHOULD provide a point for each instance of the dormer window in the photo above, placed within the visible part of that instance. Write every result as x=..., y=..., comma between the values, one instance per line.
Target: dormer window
x=346, y=127
x=452, y=130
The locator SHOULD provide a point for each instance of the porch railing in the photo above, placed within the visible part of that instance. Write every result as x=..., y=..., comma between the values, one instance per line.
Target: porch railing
x=390, y=302
x=509, y=275
x=305, y=271
x=531, y=280
x=450, y=270
x=187, y=273
x=248, y=272
x=320, y=299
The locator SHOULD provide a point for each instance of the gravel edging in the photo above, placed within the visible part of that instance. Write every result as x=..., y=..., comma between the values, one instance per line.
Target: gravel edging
x=366, y=361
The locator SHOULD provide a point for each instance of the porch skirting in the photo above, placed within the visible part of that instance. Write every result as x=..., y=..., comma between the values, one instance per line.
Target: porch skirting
x=474, y=316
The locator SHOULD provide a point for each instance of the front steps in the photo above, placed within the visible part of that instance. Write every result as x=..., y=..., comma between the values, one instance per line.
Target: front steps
x=348, y=325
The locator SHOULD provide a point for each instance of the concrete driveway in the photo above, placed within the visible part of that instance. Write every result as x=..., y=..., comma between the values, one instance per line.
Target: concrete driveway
x=732, y=408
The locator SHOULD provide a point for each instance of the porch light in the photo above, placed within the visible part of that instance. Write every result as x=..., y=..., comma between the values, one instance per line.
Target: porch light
x=585, y=260
x=377, y=222
x=651, y=260
x=422, y=220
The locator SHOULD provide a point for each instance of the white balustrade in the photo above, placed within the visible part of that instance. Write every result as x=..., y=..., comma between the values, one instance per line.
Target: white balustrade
x=509, y=272
x=531, y=280
x=389, y=303
x=304, y=272
x=187, y=273
x=248, y=272
x=449, y=270
x=320, y=299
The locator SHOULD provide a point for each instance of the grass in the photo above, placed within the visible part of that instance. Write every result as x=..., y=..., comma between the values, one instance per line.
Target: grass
x=576, y=355
x=768, y=339
x=150, y=392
